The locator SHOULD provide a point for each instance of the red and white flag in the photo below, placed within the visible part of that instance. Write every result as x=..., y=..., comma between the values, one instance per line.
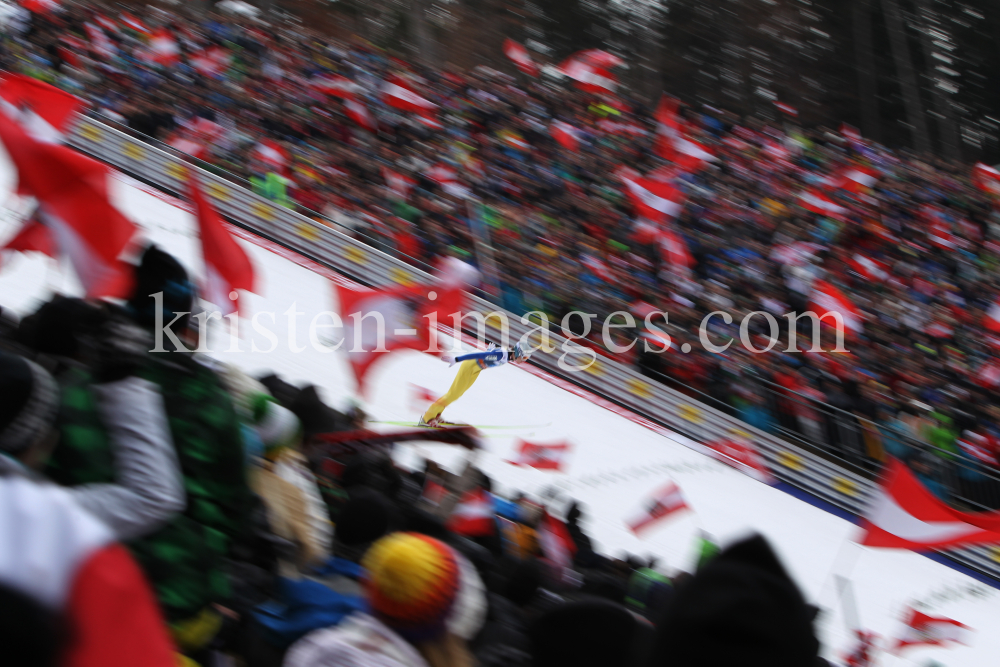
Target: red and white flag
x=675, y=252
x=132, y=23
x=227, y=267
x=473, y=516
x=541, y=456
x=903, y=514
x=850, y=132
x=589, y=77
x=854, y=178
x=74, y=204
x=599, y=58
x=33, y=237
x=360, y=114
x=42, y=110
x=398, y=183
x=786, y=109
x=164, y=49
x=868, y=268
x=988, y=374
x=664, y=502
x=447, y=178
x=926, y=630
x=212, y=61
x=671, y=144
x=197, y=137
x=565, y=135
x=335, y=84
x=99, y=41
x=815, y=201
x=555, y=541
x=828, y=299
x=106, y=23
x=273, y=155
x=40, y=6
x=397, y=94
x=520, y=57
x=598, y=267
x=380, y=321
x=653, y=199
x=986, y=178
x=991, y=319
x=740, y=453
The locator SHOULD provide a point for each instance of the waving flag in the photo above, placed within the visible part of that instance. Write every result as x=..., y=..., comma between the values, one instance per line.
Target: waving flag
x=132, y=23
x=854, y=178
x=380, y=321
x=106, y=23
x=99, y=41
x=597, y=267
x=828, y=299
x=991, y=320
x=652, y=199
x=519, y=55
x=986, y=178
x=40, y=6
x=739, y=452
x=786, y=109
x=671, y=144
x=163, y=48
x=903, y=514
x=815, y=201
x=473, y=516
x=43, y=111
x=447, y=178
x=868, y=268
x=334, y=84
x=273, y=155
x=589, y=77
x=541, y=456
x=565, y=135
x=33, y=237
x=599, y=58
x=665, y=502
x=211, y=61
x=227, y=267
x=397, y=94
x=359, y=113
x=926, y=630
x=74, y=205
x=675, y=252
x=398, y=183
x=556, y=543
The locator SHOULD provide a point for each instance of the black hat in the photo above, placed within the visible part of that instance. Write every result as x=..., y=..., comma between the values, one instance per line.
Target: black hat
x=740, y=608
x=364, y=518
x=61, y=326
x=160, y=272
x=28, y=401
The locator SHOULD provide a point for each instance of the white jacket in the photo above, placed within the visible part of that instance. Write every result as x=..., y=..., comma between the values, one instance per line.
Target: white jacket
x=359, y=641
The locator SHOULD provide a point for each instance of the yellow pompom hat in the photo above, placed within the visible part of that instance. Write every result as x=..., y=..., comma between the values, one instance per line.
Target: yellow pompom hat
x=412, y=582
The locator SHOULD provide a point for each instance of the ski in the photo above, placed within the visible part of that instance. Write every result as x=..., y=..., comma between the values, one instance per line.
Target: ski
x=457, y=425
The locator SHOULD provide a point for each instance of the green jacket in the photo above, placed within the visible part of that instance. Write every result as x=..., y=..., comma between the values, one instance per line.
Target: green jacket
x=184, y=559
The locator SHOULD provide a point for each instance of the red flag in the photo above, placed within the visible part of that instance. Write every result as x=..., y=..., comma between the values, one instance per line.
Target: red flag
x=359, y=113
x=399, y=184
x=541, y=456
x=383, y=320
x=903, y=514
x=211, y=61
x=106, y=23
x=991, y=320
x=671, y=144
x=786, y=109
x=854, y=178
x=398, y=95
x=988, y=374
x=73, y=203
x=566, y=135
x=597, y=267
x=588, y=76
x=99, y=41
x=44, y=111
x=740, y=453
x=815, y=201
x=433, y=492
x=196, y=138
x=556, y=543
x=164, y=49
x=599, y=58
x=519, y=55
x=675, y=251
x=273, y=155
x=926, y=630
x=40, y=6
x=986, y=178
x=868, y=268
x=33, y=237
x=663, y=503
x=652, y=199
x=828, y=299
x=133, y=23
x=227, y=267
x=334, y=84
x=473, y=516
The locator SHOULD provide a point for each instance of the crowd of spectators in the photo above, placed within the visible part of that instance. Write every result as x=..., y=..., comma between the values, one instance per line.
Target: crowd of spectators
x=161, y=508
x=563, y=233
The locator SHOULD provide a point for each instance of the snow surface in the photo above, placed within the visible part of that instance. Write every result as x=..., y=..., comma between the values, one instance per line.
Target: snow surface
x=615, y=463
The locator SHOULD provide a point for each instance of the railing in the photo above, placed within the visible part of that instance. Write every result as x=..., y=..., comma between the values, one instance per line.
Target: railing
x=841, y=481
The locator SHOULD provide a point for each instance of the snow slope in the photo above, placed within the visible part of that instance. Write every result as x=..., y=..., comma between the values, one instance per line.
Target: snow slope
x=615, y=462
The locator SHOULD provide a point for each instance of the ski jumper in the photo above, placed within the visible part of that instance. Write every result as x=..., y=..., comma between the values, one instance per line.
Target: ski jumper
x=472, y=365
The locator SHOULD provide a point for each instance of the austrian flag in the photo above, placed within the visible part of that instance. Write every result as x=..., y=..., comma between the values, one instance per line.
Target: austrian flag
x=541, y=456
x=828, y=300
x=926, y=630
x=473, y=516
x=665, y=502
x=652, y=199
